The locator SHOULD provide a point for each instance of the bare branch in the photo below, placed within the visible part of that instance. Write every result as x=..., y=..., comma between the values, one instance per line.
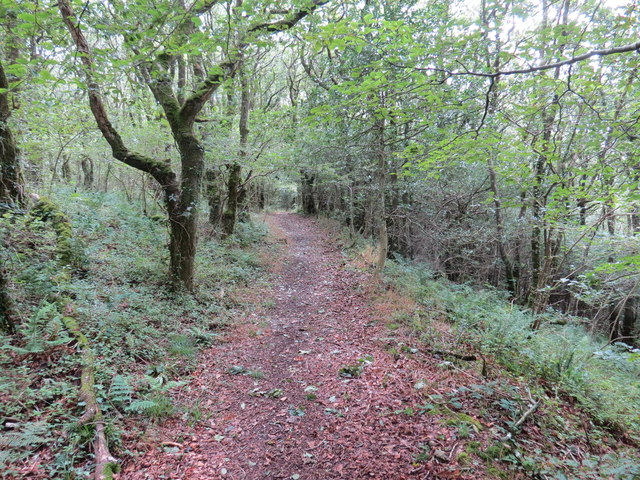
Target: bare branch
x=540, y=68
x=210, y=84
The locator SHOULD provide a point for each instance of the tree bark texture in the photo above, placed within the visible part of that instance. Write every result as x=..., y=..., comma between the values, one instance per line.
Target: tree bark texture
x=213, y=197
x=235, y=187
x=231, y=207
x=106, y=464
x=307, y=192
x=8, y=323
x=11, y=180
x=86, y=164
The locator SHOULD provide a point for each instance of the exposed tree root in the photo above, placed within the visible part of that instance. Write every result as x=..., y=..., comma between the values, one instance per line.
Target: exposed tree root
x=106, y=464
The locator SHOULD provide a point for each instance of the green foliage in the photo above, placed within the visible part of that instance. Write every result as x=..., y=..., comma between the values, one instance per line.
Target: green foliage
x=18, y=444
x=155, y=406
x=43, y=331
x=120, y=391
x=143, y=335
x=605, y=380
x=351, y=371
x=68, y=248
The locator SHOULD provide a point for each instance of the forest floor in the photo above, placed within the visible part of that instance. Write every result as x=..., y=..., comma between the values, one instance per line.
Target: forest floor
x=314, y=385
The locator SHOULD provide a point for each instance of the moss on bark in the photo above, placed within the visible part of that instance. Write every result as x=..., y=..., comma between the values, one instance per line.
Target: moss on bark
x=48, y=211
x=106, y=464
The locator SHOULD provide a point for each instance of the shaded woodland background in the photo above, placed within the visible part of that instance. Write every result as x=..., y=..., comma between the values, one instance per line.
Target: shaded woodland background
x=527, y=182
x=494, y=145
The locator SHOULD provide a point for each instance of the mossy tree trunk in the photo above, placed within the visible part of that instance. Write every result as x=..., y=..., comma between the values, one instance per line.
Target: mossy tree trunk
x=8, y=321
x=231, y=207
x=243, y=200
x=11, y=180
x=48, y=211
x=86, y=164
x=235, y=187
x=181, y=195
x=307, y=192
x=212, y=191
x=106, y=464
x=66, y=167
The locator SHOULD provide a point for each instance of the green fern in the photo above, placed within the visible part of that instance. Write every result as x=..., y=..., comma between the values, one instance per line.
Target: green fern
x=5, y=457
x=120, y=391
x=18, y=444
x=141, y=406
x=42, y=331
x=156, y=406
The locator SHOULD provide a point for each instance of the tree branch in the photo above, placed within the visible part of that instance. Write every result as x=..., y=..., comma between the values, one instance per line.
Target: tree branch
x=287, y=23
x=204, y=7
x=540, y=68
x=194, y=103
x=160, y=170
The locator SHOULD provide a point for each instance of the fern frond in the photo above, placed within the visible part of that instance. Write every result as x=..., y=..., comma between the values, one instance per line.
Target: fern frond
x=120, y=390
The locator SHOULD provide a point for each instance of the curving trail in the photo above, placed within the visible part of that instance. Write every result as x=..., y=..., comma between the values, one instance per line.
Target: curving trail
x=303, y=420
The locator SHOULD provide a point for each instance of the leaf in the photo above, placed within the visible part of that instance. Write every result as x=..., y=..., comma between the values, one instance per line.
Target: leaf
x=46, y=75
x=352, y=371
x=236, y=370
x=274, y=393
x=27, y=17
x=296, y=411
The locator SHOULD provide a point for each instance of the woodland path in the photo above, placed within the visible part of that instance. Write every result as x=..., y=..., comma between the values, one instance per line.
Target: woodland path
x=323, y=426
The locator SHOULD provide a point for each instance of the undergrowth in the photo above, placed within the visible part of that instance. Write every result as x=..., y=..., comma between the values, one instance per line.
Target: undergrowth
x=604, y=378
x=145, y=337
x=562, y=357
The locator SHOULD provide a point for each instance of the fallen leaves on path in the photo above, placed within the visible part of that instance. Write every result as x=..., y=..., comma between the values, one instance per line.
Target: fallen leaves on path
x=331, y=400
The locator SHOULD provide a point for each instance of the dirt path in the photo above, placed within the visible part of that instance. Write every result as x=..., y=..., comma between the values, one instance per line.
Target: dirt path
x=305, y=418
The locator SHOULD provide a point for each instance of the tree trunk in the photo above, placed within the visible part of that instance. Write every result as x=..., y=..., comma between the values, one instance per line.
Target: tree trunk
x=510, y=277
x=383, y=239
x=261, y=196
x=213, y=197
x=106, y=464
x=243, y=203
x=66, y=167
x=7, y=312
x=622, y=320
x=86, y=164
x=635, y=220
x=231, y=208
x=539, y=202
x=307, y=193
x=11, y=180
x=183, y=217
x=234, y=185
